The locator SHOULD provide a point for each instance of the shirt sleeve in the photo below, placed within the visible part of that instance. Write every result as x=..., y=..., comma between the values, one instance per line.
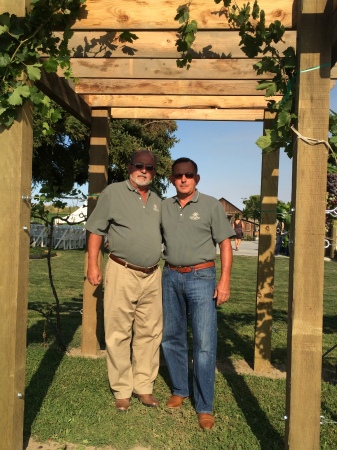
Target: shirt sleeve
x=221, y=228
x=99, y=220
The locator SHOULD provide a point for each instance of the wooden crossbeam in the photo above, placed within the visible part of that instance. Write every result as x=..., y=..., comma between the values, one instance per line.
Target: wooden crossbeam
x=161, y=44
x=177, y=101
x=188, y=114
x=59, y=90
x=153, y=14
x=201, y=69
x=166, y=87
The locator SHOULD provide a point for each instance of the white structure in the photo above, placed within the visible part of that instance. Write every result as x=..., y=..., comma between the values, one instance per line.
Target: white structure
x=78, y=216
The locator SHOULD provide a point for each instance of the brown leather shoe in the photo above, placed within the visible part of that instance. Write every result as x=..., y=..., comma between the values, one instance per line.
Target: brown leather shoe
x=147, y=400
x=175, y=401
x=122, y=404
x=206, y=421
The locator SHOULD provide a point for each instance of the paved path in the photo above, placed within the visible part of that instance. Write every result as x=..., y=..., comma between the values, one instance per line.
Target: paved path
x=247, y=248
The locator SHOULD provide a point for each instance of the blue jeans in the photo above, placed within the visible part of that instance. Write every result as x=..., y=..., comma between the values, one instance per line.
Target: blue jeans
x=190, y=295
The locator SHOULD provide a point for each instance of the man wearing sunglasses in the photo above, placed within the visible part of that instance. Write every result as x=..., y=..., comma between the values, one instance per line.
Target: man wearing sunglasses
x=128, y=213
x=192, y=224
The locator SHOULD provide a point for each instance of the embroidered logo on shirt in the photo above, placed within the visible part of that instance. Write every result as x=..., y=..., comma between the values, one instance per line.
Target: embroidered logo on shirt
x=155, y=208
x=195, y=216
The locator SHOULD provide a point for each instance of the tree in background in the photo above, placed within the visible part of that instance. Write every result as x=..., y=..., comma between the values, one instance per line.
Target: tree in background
x=61, y=159
x=126, y=136
x=252, y=208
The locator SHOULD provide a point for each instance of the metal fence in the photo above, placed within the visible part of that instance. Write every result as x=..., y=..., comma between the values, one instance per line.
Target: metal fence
x=65, y=237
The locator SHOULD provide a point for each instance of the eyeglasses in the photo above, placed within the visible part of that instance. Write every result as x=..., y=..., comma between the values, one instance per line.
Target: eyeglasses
x=178, y=176
x=140, y=166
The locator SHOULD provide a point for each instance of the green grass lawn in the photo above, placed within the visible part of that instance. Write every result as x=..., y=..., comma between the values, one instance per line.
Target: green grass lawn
x=68, y=398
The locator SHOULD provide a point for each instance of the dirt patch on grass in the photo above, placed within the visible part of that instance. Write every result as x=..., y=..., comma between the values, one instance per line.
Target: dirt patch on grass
x=241, y=367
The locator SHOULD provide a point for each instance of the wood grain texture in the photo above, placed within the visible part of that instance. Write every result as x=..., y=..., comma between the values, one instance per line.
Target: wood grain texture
x=188, y=114
x=154, y=14
x=202, y=69
x=161, y=44
x=177, y=101
x=92, y=318
x=266, y=258
x=306, y=271
x=16, y=167
x=166, y=87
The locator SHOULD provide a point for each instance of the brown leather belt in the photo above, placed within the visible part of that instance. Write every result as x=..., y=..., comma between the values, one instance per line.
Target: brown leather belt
x=132, y=266
x=185, y=269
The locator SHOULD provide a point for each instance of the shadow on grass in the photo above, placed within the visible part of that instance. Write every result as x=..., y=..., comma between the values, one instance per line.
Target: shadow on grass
x=329, y=324
x=43, y=377
x=269, y=438
x=233, y=343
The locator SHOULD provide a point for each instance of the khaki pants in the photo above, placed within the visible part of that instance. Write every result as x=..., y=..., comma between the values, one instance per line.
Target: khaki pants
x=133, y=328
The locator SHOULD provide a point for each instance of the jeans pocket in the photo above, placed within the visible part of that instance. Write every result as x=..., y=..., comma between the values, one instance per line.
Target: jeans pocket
x=208, y=274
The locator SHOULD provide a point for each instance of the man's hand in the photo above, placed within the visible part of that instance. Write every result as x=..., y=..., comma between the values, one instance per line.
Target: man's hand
x=222, y=291
x=94, y=275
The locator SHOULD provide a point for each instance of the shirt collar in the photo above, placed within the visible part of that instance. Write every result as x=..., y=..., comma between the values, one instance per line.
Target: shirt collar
x=194, y=199
x=132, y=188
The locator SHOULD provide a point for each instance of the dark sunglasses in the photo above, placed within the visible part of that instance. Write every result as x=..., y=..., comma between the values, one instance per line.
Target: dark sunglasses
x=140, y=166
x=178, y=176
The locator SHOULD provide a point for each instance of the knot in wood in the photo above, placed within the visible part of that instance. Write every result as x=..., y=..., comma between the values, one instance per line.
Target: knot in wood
x=122, y=17
x=278, y=14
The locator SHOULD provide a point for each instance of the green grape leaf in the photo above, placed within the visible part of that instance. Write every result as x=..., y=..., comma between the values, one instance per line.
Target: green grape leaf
x=4, y=60
x=33, y=71
x=50, y=65
x=20, y=92
x=5, y=20
x=263, y=85
x=4, y=29
x=264, y=142
x=271, y=90
x=283, y=119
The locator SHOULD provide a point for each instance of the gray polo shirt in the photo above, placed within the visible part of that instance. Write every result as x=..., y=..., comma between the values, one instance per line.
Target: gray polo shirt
x=190, y=234
x=133, y=228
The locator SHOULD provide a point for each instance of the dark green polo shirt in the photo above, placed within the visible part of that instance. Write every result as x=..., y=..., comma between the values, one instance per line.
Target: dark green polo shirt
x=133, y=228
x=191, y=233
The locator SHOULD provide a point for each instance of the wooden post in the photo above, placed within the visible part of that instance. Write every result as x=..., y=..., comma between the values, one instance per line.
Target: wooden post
x=92, y=320
x=266, y=257
x=15, y=191
x=303, y=400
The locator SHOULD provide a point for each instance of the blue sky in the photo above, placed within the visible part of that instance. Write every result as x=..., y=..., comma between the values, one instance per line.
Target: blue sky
x=228, y=159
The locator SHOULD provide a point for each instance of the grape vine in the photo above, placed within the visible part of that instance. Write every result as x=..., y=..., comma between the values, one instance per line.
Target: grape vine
x=22, y=42
x=258, y=39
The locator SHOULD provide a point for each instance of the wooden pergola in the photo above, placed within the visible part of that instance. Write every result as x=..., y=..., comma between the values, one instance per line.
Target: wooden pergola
x=141, y=80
